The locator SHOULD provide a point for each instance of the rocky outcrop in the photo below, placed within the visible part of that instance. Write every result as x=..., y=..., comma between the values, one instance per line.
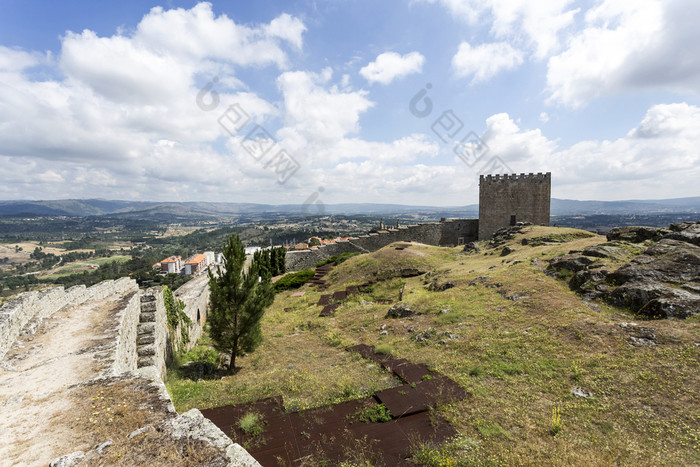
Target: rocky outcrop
x=670, y=261
x=501, y=236
x=635, y=234
x=399, y=310
x=661, y=282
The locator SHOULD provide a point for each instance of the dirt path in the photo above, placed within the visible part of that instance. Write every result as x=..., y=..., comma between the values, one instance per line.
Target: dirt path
x=36, y=377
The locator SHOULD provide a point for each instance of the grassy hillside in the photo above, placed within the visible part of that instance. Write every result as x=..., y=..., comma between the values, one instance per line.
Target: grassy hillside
x=517, y=339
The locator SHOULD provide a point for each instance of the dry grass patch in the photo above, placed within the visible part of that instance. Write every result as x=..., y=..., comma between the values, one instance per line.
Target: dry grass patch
x=111, y=409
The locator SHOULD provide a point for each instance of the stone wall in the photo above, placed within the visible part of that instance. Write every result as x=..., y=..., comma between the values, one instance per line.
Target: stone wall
x=506, y=199
x=153, y=344
x=124, y=333
x=16, y=313
x=195, y=295
x=448, y=233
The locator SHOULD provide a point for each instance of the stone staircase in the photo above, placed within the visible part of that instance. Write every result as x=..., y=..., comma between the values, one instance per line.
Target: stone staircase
x=145, y=334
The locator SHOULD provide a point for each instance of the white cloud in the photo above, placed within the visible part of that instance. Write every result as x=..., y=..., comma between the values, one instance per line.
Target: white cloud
x=641, y=44
x=657, y=159
x=485, y=60
x=13, y=60
x=288, y=28
x=120, y=95
x=196, y=34
x=318, y=111
x=537, y=25
x=391, y=65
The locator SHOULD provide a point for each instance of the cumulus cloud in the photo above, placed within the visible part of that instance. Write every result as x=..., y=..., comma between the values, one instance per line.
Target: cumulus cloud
x=15, y=60
x=485, y=60
x=628, y=45
x=391, y=65
x=317, y=110
x=121, y=96
x=536, y=25
x=650, y=157
x=197, y=34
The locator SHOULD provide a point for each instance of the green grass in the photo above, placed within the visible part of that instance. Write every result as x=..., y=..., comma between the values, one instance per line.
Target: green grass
x=383, y=349
x=375, y=414
x=518, y=360
x=252, y=424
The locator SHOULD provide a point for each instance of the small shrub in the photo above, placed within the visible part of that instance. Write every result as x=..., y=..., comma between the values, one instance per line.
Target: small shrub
x=476, y=371
x=565, y=274
x=337, y=259
x=576, y=372
x=377, y=414
x=447, y=454
x=201, y=354
x=293, y=280
x=491, y=429
x=334, y=338
x=252, y=424
x=384, y=349
x=556, y=422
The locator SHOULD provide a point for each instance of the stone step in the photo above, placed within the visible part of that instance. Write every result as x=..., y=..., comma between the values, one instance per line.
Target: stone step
x=147, y=317
x=148, y=298
x=145, y=361
x=145, y=339
x=148, y=306
x=145, y=328
x=146, y=350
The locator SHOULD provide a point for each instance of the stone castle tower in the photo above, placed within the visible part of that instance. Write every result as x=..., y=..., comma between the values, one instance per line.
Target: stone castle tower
x=507, y=199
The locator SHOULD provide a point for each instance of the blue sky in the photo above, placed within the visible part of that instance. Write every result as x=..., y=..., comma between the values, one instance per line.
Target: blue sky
x=100, y=99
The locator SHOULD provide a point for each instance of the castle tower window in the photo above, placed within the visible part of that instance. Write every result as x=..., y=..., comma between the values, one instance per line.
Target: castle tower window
x=512, y=220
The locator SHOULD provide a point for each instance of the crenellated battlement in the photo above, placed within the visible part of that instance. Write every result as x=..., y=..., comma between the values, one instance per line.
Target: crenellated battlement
x=531, y=177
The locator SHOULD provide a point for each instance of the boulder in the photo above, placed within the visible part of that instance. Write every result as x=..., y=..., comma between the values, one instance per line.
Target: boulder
x=435, y=286
x=688, y=232
x=587, y=279
x=571, y=262
x=676, y=307
x=604, y=250
x=471, y=247
x=68, y=460
x=668, y=260
x=656, y=300
x=399, y=310
x=635, y=234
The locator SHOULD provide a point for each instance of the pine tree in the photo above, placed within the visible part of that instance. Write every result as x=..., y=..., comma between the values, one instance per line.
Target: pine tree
x=274, y=261
x=237, y=301
x=281, y=265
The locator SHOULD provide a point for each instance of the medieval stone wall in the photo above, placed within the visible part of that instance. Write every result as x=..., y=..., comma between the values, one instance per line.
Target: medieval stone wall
x=449, y=233
x=16, y=313
x=123, y=343
x=195, y=295
x=506, y=199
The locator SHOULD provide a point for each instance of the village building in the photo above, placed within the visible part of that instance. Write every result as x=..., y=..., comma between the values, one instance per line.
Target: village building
x=171, y=265
x=195, y=264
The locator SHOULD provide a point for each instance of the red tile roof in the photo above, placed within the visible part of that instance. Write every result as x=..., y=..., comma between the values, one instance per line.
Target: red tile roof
x=196, y=259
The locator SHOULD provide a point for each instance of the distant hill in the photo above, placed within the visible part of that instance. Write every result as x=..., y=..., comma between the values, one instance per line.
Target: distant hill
x=565, y=207
x=169, y=211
